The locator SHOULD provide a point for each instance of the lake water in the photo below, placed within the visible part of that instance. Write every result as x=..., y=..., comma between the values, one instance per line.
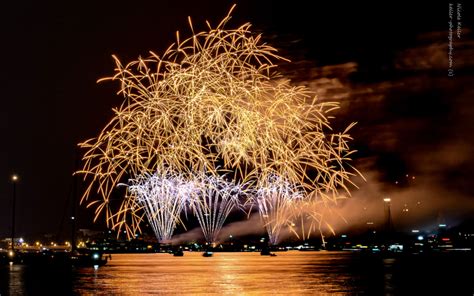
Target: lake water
x=289, y=273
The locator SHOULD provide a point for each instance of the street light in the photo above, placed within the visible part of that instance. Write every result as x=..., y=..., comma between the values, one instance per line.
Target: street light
x=388, y=222
x=14, y=181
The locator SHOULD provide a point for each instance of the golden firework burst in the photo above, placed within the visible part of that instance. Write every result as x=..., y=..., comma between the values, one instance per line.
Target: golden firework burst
x=213, y=102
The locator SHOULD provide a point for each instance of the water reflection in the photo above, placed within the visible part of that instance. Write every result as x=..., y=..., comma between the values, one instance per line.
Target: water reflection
x=290, y=273
x=225, y=273
x=15, y=286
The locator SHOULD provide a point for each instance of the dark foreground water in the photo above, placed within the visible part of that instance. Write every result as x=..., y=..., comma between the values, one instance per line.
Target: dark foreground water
x=290, y=273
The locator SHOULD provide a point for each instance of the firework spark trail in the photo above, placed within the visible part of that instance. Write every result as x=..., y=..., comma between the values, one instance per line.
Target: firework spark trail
x=162, y=197
x=213, y=202
x=277, y=199
x=213, y=102
x=308, y=216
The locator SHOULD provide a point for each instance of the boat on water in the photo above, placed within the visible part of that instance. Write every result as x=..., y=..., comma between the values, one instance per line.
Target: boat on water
x=207, y=254
x=267, y=252
x=88, y=258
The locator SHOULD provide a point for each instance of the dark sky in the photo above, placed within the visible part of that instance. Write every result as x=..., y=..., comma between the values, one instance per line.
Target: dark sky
x=386, y=64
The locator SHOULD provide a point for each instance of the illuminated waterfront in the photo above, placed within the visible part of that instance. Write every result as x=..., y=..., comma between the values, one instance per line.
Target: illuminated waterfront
x=289, y=273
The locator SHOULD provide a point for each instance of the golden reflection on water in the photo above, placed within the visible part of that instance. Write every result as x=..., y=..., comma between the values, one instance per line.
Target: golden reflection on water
x=289, y=273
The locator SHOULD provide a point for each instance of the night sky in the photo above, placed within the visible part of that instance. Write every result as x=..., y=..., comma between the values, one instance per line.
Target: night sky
x=386, y=64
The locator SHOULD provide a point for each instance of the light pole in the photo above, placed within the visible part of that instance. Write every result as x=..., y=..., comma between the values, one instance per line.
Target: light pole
x=388, y=222
x=14, y=180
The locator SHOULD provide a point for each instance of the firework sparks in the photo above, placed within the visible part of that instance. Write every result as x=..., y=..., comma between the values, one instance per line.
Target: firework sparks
x=277, y=199
x=162, y=196
x=213, y=102
x=213, y=201
x=308, y=217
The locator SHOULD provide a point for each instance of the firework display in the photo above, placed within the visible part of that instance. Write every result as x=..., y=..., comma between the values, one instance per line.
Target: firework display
x=162, y=197
x=277, y=200
x=213, y=103
x=213, y=200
